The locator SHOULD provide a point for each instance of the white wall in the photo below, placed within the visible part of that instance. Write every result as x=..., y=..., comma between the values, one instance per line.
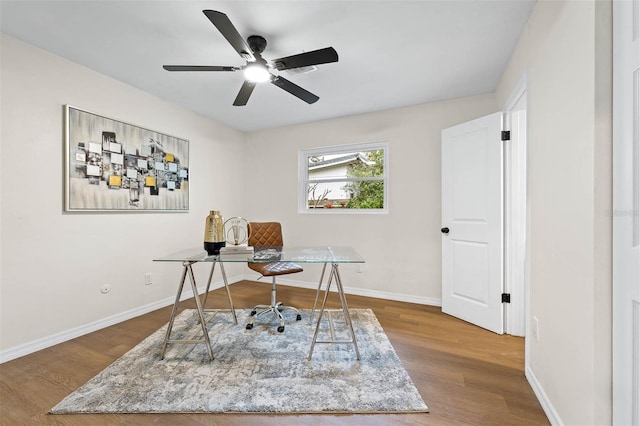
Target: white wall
x=401, y=248
x=54, y=263
x=565, y=50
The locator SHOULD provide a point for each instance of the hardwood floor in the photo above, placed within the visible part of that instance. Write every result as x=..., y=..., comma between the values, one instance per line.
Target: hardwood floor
x=465, y=374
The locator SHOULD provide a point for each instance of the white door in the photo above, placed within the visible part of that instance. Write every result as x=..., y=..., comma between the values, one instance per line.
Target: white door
x=626, y=213
x=472, y=222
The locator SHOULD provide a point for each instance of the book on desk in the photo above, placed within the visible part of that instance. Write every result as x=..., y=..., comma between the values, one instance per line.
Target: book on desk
x=236, y=252
x=240, y=249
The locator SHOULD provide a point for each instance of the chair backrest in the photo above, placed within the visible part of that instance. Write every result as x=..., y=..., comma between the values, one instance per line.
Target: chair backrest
x=262, y=234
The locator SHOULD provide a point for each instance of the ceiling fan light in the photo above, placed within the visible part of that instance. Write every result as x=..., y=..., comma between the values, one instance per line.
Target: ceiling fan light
x=256, y=73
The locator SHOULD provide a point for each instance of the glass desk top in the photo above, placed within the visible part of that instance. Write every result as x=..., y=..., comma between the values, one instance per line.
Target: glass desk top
x=320, y=254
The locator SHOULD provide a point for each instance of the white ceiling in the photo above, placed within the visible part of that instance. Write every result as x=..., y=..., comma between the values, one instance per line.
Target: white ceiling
x=392, y=53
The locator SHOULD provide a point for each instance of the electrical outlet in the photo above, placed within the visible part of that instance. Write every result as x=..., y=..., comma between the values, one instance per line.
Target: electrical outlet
x=147, y=279
x=105, y=289
x=358, y=269
x=535, y=328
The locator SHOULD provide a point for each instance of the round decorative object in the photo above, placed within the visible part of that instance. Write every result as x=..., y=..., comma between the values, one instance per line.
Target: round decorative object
x=236, y=230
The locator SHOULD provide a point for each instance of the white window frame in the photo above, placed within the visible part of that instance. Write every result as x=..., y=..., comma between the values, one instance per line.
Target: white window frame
x=304, y=181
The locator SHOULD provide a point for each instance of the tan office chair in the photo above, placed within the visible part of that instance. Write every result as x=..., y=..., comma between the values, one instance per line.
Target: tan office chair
x=264, y=235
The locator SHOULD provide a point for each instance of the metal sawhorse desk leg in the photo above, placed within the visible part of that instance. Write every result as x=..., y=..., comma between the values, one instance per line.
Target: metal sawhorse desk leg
x=187, y=269
x=226, y=286
x=345, y=310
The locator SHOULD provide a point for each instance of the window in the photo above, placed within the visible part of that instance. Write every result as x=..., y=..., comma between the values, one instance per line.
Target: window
x=344, y=179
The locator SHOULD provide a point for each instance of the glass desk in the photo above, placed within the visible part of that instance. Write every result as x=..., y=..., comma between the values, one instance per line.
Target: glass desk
x=324, y=255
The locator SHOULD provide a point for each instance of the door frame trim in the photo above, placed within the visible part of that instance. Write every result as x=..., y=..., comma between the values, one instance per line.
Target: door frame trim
x=625, y=328
x=515, y=226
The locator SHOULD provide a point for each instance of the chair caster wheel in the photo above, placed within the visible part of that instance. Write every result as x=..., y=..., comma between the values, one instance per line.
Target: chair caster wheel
x=249, y=326
x=252, y=313
x=281, y=329
x=299, y=317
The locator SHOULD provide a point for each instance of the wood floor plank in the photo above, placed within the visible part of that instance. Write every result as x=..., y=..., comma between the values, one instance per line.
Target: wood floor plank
x=466, y=375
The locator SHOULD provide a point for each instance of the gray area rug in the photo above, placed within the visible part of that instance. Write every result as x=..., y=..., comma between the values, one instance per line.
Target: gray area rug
x=254, y=371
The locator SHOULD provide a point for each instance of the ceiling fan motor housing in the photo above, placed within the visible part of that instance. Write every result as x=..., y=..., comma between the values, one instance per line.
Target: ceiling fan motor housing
x=257, y=43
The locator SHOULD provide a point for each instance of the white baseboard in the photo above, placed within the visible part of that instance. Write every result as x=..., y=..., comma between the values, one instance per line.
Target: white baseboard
x=39, y=344
x=45, y=342
x=355, y=291
x=547, y=406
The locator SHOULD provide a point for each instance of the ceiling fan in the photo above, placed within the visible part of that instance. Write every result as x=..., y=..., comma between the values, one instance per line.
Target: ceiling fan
x=257, y=69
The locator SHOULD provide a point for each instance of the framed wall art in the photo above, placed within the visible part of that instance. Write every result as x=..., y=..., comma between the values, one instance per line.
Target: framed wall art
x=116, y=166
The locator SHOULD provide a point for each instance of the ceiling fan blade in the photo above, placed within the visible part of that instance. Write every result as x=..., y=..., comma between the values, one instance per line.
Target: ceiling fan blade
x=244, y=93
x=198, y=68
x=294, y=89
x=226, y=28
x=315, y=57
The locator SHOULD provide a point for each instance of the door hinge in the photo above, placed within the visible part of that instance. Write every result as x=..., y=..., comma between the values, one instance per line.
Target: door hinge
x=506, y=135
x=506, y=298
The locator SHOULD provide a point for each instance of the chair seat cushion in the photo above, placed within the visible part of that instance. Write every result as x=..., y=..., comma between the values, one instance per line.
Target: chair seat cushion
x=277, y=268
